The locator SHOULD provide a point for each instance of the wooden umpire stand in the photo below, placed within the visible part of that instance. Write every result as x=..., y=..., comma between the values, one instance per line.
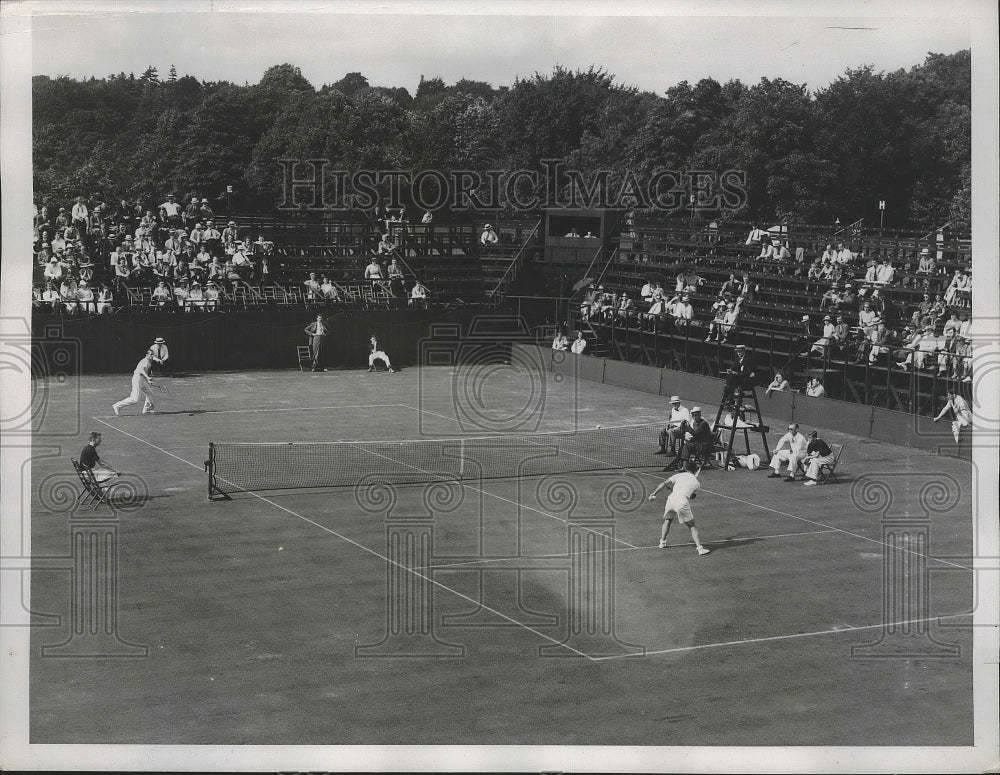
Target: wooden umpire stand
x=739, y=400
x=746, y=420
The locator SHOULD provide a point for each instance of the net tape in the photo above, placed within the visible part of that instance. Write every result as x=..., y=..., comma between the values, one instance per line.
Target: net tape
x=236, y=467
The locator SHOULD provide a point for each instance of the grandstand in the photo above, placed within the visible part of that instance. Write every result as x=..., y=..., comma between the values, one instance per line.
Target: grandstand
x=783, y=275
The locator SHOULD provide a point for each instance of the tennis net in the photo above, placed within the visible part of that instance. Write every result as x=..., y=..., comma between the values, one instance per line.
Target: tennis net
x=240, y=467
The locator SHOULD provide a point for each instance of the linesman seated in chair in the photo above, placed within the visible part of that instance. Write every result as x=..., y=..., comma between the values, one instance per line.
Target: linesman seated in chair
x=698, y=440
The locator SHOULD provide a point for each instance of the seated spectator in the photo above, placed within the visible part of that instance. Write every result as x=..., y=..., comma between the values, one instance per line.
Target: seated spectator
x=181, y=273
x=181, y=293
x=211, y=239
x=588, y=306
x=821, y=345
x=884, y=273
x=647, y=290
x=818, y=454
x=866, y=318
x=573, y=233
x=815, y=274
x=965, y=328
x=232, y=274
x=212, y=296
x=195, y=298
x=123, y=270
x=962, y=366
x=51, y=297
x=205, y=212
x=927, y=265
x=730, y=286
x=778, y=385
x=230, y=236
x=560, y=342
x=394, y=269
x=626, y=306
x=105, y=300
x=243, y=265
x=328, y=290
x=85, y=298
x=590, y=235
x=958, y=289
x=952, y=325
x=579, y=344
x=922, y=314
x=841, y=333
x=373, y=271
x=489, y=236
x=657, y=309
x=848, y=298
x=781, y=251
x=878, y=339
x=53, y=270
x=815, y=389
x=190, y=214
x=831, y=297
x=418, y=295
x=748, y=289
x=161, y=295
x=427, y=218
x=829, y=255
x=724, y=322
x=682, y=311
x=844, y=255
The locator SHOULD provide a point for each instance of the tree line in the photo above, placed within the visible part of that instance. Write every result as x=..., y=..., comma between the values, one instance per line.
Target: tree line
x=903, y=137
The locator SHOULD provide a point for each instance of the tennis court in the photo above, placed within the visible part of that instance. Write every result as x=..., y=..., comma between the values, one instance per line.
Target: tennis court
x=533, y=609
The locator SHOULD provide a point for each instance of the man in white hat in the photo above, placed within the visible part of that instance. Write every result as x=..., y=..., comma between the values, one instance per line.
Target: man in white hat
x=739, y=376
x=791, y=449
x=489, y=236
x=676, y=427
x=160, y=355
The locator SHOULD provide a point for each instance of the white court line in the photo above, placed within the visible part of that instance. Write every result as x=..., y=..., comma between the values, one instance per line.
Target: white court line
x=845, y=628
x=487, y=560
x=263, y=411
x=365, y=549
x=764, y=508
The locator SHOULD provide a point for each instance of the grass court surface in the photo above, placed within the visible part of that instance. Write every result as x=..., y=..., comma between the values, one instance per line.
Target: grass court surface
x=263, y=616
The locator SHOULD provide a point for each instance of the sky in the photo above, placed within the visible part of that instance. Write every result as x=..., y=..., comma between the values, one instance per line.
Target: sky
x=393, y=46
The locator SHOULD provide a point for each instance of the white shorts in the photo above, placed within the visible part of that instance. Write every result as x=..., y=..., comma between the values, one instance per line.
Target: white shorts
x=679, y=506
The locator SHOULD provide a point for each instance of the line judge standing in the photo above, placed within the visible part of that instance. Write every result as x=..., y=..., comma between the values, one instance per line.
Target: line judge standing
x=317, y=332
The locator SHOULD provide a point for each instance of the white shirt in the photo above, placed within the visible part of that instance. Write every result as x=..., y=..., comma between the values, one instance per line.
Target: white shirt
x=418, y=292
x=579, y=345
x=679, y=415
x=560, y=343
x=142, y=368
x=797, y=443
x=685, y=484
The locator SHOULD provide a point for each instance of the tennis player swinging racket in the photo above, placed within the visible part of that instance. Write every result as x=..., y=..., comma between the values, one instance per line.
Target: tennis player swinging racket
x=683, y=488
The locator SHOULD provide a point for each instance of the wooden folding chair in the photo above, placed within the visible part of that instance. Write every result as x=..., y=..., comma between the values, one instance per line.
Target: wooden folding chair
x=828, y=471
x=93, y=492
x=304, y=355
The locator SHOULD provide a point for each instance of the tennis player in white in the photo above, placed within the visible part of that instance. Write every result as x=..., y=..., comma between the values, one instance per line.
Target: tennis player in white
x=683, y=487
x=141, y=384
x=961, y=414
x=375, y=354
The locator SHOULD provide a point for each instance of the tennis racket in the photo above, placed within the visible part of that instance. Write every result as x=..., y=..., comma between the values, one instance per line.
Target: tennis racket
x=161, y=388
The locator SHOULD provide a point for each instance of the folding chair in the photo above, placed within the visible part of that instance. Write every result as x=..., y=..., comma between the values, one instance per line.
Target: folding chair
x=93, y=492
x=304, y=355
x=828, y=471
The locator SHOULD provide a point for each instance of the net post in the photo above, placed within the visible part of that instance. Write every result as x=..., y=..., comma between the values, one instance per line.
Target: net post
x=214, y=491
